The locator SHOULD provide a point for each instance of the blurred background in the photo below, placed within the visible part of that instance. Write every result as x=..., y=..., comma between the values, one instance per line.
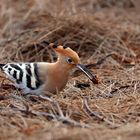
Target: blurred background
x=91, y=26
x=106, y=35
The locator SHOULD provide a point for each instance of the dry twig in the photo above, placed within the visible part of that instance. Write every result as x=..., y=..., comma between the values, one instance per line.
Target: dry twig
x=94, y=114
x=59, y=117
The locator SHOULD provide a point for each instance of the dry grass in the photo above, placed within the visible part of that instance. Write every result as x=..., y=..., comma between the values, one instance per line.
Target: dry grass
x=95, y=29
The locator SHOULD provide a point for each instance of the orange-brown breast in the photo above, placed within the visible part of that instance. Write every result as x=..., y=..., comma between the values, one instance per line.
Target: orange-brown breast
x=56, y=78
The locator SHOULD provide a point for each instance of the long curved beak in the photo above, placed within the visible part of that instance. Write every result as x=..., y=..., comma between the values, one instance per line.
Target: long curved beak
x=87, y=72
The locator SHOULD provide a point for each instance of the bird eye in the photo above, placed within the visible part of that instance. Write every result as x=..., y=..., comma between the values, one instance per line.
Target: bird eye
x=69, y=60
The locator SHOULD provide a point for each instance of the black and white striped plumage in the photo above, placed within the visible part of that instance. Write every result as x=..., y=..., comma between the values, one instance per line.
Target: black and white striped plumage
x=24, y=75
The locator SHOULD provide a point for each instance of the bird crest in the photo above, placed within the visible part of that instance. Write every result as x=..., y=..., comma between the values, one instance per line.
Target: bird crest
x=66, y=51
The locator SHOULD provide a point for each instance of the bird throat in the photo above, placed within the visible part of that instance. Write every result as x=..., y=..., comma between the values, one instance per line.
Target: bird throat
x=58, y=77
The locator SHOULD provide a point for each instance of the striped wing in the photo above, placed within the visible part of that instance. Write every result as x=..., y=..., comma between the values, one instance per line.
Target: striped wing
x=25, y=75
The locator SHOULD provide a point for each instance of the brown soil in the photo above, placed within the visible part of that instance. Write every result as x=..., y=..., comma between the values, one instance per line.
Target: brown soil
x=106, y=35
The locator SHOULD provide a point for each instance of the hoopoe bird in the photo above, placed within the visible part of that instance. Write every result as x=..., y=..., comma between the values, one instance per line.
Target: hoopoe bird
x=40, y=77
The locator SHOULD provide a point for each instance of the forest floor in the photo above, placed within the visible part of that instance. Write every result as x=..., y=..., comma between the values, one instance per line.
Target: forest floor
x=106, y=35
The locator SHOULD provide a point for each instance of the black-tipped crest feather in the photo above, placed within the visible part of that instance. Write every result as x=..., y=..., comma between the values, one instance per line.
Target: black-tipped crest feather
x=2, y=65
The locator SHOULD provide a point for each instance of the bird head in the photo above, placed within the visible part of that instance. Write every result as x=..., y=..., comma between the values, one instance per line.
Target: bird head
x=70, y=58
